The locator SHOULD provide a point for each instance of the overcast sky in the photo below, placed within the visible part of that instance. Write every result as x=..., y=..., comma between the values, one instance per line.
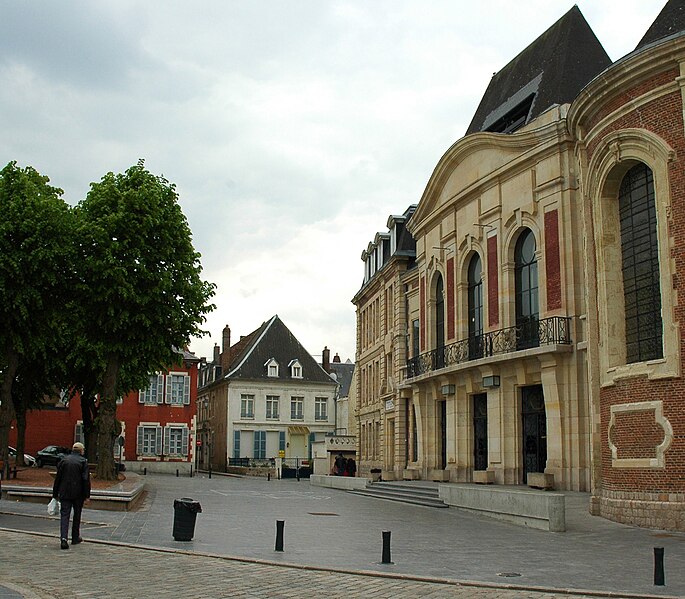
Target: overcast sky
x=292, y=129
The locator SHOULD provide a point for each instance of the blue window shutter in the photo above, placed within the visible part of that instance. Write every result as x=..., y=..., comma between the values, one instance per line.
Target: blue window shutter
x=141, y=396
x=255, y=449
x=186, y=390
x=139, y=445
x=158, y=441
x=281, y=440
x=184, y=443
x=159, y=398
x=168, y=388
x=236, y=444
x=167, y=439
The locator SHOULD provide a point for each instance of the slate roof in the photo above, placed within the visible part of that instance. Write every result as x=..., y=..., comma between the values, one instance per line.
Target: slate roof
x=553, y=69
x=343, y=376
x=273, y=340
x=671, y=20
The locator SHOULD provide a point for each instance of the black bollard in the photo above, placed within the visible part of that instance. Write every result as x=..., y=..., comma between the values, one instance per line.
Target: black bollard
x=279, y=534
x=659, y=578
x=144, y=470
x=386, y=548
x=191, y=471
x=176, y=472
x=268, y=476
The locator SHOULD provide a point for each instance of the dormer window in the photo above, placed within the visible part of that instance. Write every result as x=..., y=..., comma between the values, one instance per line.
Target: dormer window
x=295, y=369
x=271, y=368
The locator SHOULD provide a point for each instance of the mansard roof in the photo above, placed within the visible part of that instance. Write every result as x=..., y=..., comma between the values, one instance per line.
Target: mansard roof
x=671, y=20
x=273, y=340
x=551, y=70
x=343, y=372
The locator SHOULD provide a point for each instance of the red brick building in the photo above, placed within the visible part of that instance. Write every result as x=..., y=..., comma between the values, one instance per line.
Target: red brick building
x=158, y=423
x=630, y=149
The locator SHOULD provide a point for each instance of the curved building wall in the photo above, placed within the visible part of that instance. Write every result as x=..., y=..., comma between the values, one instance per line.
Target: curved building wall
x=632, y=115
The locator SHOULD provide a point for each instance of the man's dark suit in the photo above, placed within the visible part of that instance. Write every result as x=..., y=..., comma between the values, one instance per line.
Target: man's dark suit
x=72, y=487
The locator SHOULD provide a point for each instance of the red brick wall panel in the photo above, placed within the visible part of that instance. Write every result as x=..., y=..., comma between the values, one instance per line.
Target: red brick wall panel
x=450, y=299
x=552, y=260
x=493, y=282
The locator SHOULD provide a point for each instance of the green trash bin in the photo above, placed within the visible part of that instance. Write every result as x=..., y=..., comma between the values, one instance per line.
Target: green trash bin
x=185, y=513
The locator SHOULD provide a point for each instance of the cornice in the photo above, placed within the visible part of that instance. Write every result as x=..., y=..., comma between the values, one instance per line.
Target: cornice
x=624, y=74
x=538, y=140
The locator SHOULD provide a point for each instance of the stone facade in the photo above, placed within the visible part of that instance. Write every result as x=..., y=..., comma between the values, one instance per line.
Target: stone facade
x=536, y=335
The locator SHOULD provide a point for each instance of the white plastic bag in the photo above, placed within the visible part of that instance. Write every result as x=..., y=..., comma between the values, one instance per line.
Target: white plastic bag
x=53, y=507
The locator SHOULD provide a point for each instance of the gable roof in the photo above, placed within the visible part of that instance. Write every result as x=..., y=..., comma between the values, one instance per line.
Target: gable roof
x=343, y=376
x=671, y=20
x=273, y=340
x=551, y=70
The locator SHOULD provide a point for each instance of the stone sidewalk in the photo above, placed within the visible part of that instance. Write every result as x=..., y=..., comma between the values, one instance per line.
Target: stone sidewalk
x=341, y=532
x=32, y=567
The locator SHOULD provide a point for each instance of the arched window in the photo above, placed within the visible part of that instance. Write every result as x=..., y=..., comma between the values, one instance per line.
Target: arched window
x=640, y=260
x=526, y=274
x=439, y=323
x=475, y=307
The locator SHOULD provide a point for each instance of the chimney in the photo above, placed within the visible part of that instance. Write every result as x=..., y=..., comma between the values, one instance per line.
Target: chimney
x=217, y=353
x=336, y=358
x=225, y=349
x=226, y=339
x=326, y=359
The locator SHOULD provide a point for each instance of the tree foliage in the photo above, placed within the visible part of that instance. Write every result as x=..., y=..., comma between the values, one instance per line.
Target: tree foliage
x=140, y=292
x=35, y=274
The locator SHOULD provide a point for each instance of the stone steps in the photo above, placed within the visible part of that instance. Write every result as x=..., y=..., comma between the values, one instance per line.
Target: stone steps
x=414, y=494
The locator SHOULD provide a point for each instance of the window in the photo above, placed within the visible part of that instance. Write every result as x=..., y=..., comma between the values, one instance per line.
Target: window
x=271, y=368
x=176, y=440
x=281, y=440
x=272, y=407
x=178, y=389
x=440, y=323
x=640, y=253
x=475, y=307
x=321, y=408
x=295, y=369
x=149, y=440
x=260, y=445
x=236, y=444
x=154, y=393
x=78, y=433
x=246, y=406
x=415, y=338
x=526, y=279
x=297, y=408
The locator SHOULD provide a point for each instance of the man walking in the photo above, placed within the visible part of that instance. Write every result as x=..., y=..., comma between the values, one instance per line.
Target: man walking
x=72, y=487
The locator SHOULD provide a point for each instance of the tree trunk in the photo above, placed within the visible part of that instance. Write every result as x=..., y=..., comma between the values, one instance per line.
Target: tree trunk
x=21, y=433
x=105, y=423
x=89, y=412
x=7, y=405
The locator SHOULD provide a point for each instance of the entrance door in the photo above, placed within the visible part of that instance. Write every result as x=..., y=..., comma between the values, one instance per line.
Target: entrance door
x=534, y=430
x=443, y=434
x=298, y=447
x=390, y=445
x=480, y=431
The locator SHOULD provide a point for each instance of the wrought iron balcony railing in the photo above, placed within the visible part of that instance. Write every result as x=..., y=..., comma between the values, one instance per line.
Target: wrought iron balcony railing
x=533, y=333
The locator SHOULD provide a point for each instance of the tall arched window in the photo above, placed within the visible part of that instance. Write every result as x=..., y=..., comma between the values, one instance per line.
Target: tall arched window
x=439, y=323
x=475, y=307
x=640, y=256
x=526, y=274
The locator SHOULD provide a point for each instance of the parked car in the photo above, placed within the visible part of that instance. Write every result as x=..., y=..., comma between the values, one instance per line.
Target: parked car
x=51, y=455
x=29, y=460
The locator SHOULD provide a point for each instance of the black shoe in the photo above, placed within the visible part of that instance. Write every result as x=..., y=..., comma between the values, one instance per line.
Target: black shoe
x=76, y=541
x=64, y=544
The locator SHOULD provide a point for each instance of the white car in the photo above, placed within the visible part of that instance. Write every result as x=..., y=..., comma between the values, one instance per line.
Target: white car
x=29, y=460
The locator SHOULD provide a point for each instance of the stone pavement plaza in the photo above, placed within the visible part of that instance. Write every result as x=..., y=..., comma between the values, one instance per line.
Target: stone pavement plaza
x=334, y=531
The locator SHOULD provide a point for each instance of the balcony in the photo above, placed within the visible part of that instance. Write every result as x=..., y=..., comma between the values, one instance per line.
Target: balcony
x=534, y=333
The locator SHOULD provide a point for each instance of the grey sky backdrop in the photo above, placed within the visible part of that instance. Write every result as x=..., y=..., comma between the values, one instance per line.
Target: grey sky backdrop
x=292, y=129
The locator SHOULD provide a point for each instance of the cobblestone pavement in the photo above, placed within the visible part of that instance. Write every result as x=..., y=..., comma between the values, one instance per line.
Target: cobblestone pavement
x=34, y=566
x=339, y=531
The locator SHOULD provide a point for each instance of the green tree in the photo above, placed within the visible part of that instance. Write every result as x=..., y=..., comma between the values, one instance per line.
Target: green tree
x=141, y=295
x=35, y=273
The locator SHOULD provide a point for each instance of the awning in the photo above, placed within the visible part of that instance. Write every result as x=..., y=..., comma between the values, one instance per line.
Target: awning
x=298, y=430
